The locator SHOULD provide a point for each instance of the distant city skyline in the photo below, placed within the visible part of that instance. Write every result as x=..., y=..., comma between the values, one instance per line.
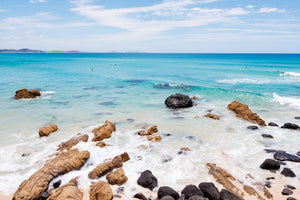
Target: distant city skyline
x=162, y=26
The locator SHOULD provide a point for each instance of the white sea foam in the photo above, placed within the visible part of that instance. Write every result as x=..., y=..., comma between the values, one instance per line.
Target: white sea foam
x=47, y=92
x=244, y=80
x=292, y=101
x=290, y=74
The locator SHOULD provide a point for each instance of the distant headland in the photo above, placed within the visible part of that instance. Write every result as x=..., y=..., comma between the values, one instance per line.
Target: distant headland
x=26, y=50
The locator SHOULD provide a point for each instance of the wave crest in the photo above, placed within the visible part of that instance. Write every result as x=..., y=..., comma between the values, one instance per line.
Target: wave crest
x=292, y=101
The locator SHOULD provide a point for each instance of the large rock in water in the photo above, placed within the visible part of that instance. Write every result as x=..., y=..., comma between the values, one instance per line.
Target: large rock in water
x=191, y=190
x=100, y=191
x=244, y=112
x=33, y=188
x=45, y=131
x=68, y=191
x=24, y=93
x=104, y=131
x=147, y=180
x=270, y=164
x=117, y=177
x=167, y=191
x=179, y=100
x=72, y=142
x=209, y=190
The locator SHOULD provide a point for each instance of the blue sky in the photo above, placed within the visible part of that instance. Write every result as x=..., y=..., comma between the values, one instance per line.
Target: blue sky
x=196, y=26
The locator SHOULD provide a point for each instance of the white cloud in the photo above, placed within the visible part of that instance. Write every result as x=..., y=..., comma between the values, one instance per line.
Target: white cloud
x=250, y=6
x=37, y=1
x=237, y=11
x=269, y=10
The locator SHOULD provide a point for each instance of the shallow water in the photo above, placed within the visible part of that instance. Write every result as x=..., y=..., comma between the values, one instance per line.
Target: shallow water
x=81, y=91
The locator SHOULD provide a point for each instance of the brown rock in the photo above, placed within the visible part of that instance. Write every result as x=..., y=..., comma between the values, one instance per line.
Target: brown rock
x=185, y=149
x=107, y=166
x=24, y=93
x=100, y=191
x=152, y=129
x=72, y=142
x=154, y=138
x=252, y=192
x=224, y=178
x=33, y=188
x=117, y=177
x=243, y=111
x=45, y=131
x=101, y=144
x=141, y=133
x=104, y=131
x=69, y=191
x=195, y=98
x=209, y=115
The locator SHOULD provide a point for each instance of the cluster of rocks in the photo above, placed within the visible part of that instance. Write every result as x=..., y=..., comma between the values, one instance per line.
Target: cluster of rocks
x=151, y=134
x=24, y=93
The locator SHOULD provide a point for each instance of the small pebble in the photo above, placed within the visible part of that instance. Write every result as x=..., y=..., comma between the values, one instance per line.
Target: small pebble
x=290, y=187
x=286, y=191
x=267, y=136
x=252, y=127
x=268, y=184
x=269, y=178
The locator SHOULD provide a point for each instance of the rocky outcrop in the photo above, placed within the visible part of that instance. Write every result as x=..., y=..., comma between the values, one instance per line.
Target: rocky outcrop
x=68, y=191
x=147, y=180
x=209, y=115
x=244, y=112
x=178, y=100
x=106, y=167
x=104, y=131
x=209, y=190
x=270, y=164
x=72, y=142
x=154, y=138
x=24, y=93
x=151, y=134
x=290, y=126
x=117, y=177
x=167, y=191
x=45, y=131
x=33, y=188
x=100, y=191
x=191, y=190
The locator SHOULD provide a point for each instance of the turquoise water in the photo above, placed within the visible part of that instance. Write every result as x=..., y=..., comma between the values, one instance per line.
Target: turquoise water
x=83, y=90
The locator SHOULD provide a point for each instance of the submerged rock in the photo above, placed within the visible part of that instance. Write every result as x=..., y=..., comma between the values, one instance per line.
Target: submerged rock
x=67, y=191
x=266, y=135
x=100, y=191
x=117, y=177
x=104, y=131
x=178, y=100
x=290, y=126
x=191, y=190
x=227, y=195
x=209, y=190
x=72, y=142
x=209, y=115
x=147, y=180
x=270, y=164
x=167, y=191
x=45, y=131
x=24, y=93
x=288, y=172
x=244, y=112
x=283, y=156
x=106, y=167
x=38, y=183
x=252, y=127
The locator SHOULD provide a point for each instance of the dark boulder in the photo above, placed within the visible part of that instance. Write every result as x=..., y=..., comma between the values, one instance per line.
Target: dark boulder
x=270, y=164
x=272, y=124
x=283, y=156
x=252, y=127
x=266, y=135
x=140, y=196
x=191, y=190
x=286, y=191
x=274, y=151
x=227, y=195
x=287, y=172
x=296, y=117
x=209, y=190
x=290, y=126
x=291, y=198
x=57, y=184
x=290, y=187
x=197, y=197
x=298, y=153
x=167, y=191
x=147, y=180
x=168, y=197
x=178, y=101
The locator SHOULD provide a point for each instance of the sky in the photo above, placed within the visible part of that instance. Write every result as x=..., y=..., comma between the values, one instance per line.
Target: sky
x=162, y=26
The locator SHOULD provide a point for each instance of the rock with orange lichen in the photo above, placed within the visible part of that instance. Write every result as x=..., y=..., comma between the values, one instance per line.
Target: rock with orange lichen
x=154, y=138
x=117, y=177
x=152, y=129
x=107, y=166
x=45, y=131
x=69, y=191
x=209, y=115
x=100, y=191
x=104, y=131
x=24, y=93
x=101, y=144
x=36, y=184
x=244, y=112
x=185, y=149
x=72, y=142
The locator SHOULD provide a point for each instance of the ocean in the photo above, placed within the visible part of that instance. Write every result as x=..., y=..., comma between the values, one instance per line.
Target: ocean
x=82, y=90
